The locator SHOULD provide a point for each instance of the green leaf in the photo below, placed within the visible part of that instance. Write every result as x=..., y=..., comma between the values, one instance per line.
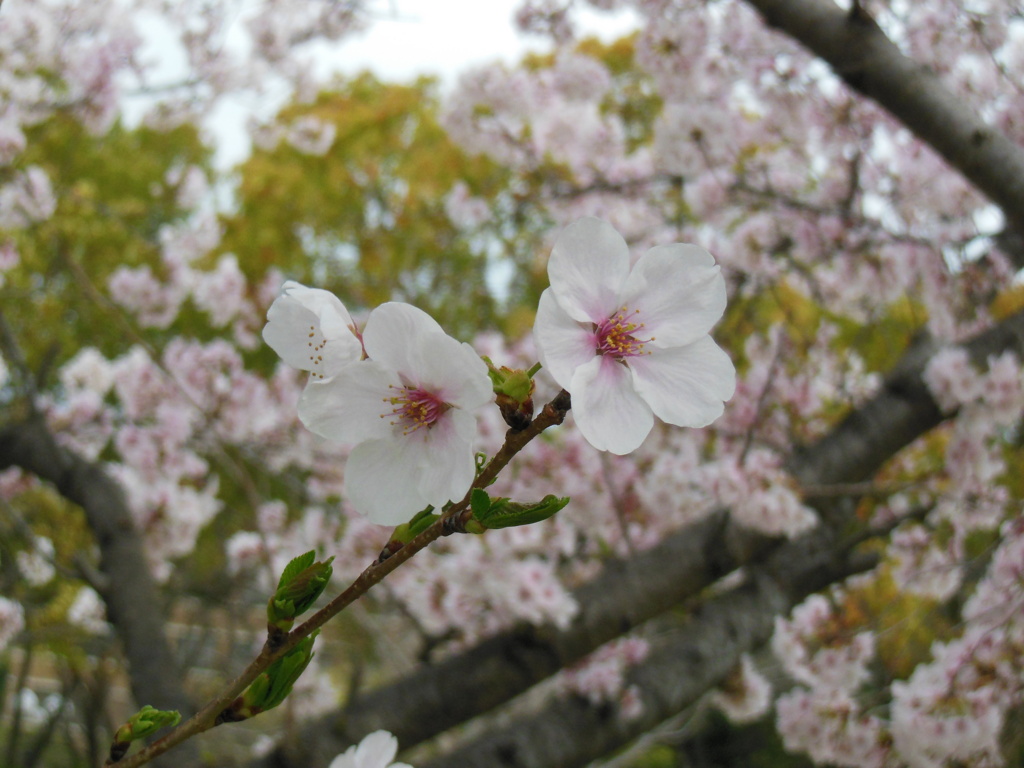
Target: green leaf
x=503, y=513
x=296, y=566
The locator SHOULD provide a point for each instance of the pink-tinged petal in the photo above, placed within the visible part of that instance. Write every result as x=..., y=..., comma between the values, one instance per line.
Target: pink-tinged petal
x=563, y=345
x=686, y=386
x=610, y=414
x=351, y=407
x=588, y=265
x=679, y=291
x=306, y=327
x=452, y=370
x=392, y=332
x=378, y=481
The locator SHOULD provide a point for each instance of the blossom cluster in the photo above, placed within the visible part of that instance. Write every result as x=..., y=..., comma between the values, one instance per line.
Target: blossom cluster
x=824, y=717
x=782, y=174
x=600, y=678
x=628, y=342
x=951, y=708
x=827, y=220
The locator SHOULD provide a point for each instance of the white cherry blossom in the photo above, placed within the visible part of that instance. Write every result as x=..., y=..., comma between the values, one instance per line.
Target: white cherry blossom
x=376, y=750
x=631, y=343
x=410, y=410
x=311, y=330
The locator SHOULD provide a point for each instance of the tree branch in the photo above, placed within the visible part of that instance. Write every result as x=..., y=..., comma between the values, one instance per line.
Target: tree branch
x=130, y=593
x=685, y=662
x=861, y=54
x=630, y=592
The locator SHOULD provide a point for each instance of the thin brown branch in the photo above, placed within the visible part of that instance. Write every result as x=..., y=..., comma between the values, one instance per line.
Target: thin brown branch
x=630, y=592
x=209, y=716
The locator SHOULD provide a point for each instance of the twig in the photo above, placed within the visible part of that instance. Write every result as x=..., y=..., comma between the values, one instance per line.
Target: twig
x=208, y=717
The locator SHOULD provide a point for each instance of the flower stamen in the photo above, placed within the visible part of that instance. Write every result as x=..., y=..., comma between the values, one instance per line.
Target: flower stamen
x=618, y=337
x=414, y=408
x=315, y=358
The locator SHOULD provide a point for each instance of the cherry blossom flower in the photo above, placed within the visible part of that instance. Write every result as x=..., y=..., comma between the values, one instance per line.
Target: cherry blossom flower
x=631, y=343
x=376, y=750
x=12, y=621
x=745, y=696
x=411, y=411
x=311, y=330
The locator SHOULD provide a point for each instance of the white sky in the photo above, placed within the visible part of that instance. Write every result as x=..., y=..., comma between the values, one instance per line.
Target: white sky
x=413, y=37
x=446, y=36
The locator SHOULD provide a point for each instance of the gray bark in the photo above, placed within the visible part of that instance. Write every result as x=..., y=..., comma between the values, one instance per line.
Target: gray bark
x=130, y=594
x=861, y=54
x=684, y=663
x=630, y=592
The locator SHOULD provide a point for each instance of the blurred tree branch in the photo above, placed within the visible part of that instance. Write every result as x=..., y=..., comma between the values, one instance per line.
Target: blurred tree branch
x=863, y=56
x=130, y=594
x=631, y=592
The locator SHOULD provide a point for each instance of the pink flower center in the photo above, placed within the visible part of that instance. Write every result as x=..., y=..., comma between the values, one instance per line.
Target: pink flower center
x=414, y=408
x=617, y=336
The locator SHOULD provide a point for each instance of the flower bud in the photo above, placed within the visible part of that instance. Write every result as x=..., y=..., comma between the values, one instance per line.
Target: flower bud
x=301, y=583
x=273, y=686
x=406, y=532
x=513, y=391
x=144, y=722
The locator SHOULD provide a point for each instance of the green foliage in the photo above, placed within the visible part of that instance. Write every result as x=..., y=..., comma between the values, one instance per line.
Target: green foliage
x=633, y=97
x=905, y=624
x=301, y=583
x=367, y=220
x=143, y=723
x=113, y=197
x=272, y=687
x=496, y=513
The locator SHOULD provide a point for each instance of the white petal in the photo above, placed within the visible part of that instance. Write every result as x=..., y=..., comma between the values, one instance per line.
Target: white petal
x=609, y=413
x=685, y=386
x=392, y=331
x=563, y=345
x=349, y=407
x=446, y=466
x=377, y=750
x=308, y=328
x=378, y=481
x=464, y=423
x=589, y=263
x=390, y=480
x=334, y=317
x=346, y=759
x=679, y=291
x=287, y=332
x=336, y=323
x=475, y=389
